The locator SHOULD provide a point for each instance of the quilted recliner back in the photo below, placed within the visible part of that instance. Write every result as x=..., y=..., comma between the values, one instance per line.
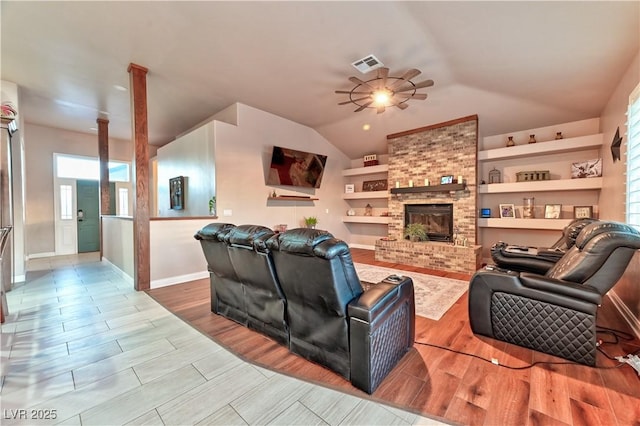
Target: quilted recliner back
x=600, y=255
x=318, y=279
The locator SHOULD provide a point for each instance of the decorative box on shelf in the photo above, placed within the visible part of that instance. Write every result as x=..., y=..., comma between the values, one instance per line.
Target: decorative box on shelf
x=532, y=175
x=370, y=160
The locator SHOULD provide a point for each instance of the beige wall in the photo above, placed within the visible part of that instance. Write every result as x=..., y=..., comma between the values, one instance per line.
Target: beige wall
x=612, y=199
x=41, y=143
x=242, y=155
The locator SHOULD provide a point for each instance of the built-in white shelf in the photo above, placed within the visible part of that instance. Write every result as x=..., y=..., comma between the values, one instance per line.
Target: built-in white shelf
x=542, y=185
x=518, y=223
x=380, y=168
x=581, y=143
x=365, y=195
x=366, y=219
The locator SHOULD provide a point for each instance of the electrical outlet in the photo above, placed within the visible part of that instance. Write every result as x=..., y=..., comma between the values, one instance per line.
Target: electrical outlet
x=227, y=212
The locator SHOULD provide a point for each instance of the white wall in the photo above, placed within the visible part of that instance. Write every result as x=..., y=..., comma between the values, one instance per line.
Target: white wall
x=190, y=156
x=243, y=154
x=41, y=143
x=117, y=243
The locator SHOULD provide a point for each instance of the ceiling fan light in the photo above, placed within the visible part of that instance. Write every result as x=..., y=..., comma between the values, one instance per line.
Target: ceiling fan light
x=381, y=97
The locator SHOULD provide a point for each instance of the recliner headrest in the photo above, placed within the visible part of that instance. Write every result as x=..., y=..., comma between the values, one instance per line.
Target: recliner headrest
x=594, y=229
x=573, y=229
x=214, y=231
x=300, y=241
x=250, y=236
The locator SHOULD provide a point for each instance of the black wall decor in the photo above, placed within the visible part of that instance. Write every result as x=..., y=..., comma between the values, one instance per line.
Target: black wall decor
x=176, y=192
x=615, y=145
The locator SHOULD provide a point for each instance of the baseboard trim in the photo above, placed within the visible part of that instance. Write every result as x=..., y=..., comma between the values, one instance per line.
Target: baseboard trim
x=128, y=278
x=179, y=279
x=626, y=313
x=363, y=246
x=40, y=255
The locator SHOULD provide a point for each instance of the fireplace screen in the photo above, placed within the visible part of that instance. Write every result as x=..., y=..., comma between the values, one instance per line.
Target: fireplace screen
x=437, y=218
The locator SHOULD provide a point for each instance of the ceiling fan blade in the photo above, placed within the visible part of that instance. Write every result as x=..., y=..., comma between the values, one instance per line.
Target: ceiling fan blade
x=410, y=74
x=357, y=81
x=383, y=73
x=426, y=83
x=405, y=77
x=352, y=101
x=349, y=92
x=380, y=109
x=363, y=106
x=419, y=96
x=402, y=106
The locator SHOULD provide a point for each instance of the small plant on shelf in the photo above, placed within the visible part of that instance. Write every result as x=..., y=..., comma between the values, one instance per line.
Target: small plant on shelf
x=311, y=222
x=416, y=232
x=212, y=205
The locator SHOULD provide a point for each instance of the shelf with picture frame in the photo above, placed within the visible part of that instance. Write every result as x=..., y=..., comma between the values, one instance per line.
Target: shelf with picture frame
x=582, y=142
x=366, y=186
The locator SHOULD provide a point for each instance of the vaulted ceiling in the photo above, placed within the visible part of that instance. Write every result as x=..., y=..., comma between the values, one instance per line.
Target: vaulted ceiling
x=517, y=65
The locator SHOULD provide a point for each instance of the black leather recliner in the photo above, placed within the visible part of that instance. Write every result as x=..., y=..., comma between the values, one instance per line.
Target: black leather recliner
x=556, y=312
x=537, y=259
x=227, y=296
x=244, y=284
x=332, y=320
x=264, y=302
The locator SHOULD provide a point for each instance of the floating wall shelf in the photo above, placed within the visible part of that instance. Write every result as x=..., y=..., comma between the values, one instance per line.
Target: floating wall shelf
x=431, y=188
x=292, y=198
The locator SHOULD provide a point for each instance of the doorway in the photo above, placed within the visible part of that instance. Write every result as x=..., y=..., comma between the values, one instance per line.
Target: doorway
x=88, y=215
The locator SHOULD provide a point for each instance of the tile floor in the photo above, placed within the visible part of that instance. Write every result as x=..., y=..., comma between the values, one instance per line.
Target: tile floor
x=81, y=347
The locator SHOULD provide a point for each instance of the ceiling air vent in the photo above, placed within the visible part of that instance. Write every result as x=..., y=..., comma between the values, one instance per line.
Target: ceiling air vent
x=368, y=63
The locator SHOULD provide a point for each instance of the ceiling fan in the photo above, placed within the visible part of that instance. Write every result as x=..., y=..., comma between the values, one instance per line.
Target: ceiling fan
x=385, y=91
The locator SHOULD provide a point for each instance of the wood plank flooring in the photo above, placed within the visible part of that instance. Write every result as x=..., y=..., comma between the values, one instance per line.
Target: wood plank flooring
x=437, y=382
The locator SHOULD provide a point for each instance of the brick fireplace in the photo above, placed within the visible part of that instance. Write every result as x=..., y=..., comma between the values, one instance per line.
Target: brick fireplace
x=429, y=153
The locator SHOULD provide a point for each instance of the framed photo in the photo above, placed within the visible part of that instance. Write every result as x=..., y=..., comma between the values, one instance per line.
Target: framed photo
x=374, y=185
x=349, y=188
x=586, y=169
x=176, y=192
x=485, y=212
x=582, y=212
x=552, y=211
x=446, y=179
x=507, y=210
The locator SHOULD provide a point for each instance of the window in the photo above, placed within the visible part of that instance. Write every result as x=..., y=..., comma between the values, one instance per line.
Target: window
x=74, y=167
x=633, y=158
x=123, y=201
x=66, y=202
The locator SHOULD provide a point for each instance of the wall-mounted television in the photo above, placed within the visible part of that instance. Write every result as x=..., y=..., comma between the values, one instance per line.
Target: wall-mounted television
x=295, y=168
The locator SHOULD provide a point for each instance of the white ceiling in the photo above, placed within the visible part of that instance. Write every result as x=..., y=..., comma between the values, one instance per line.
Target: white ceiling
x=518, y=65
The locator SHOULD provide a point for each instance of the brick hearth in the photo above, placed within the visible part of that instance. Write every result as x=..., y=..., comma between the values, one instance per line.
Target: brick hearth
x=428, y=153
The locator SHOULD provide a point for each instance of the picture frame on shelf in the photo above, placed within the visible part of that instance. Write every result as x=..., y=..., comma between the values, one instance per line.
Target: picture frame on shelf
x=374, y=185
x=552, y=211
x=446, y=179
x=349, y=188
x=586, y=169
x=507, y=211
x=582, y=212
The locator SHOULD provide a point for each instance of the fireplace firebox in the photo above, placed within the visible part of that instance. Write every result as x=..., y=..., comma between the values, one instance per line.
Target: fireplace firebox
x=437, y=218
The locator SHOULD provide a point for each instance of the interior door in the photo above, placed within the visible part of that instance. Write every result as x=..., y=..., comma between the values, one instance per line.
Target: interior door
x=88, y=215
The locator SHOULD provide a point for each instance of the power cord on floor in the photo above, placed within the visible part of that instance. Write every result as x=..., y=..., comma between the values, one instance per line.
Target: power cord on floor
x=617, y=334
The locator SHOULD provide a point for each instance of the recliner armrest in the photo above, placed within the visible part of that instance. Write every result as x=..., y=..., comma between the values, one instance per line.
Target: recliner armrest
x=566, y=288
x=379, y=298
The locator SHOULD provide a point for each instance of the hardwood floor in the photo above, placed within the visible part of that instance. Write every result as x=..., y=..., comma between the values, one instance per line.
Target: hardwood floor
x=437, y=382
